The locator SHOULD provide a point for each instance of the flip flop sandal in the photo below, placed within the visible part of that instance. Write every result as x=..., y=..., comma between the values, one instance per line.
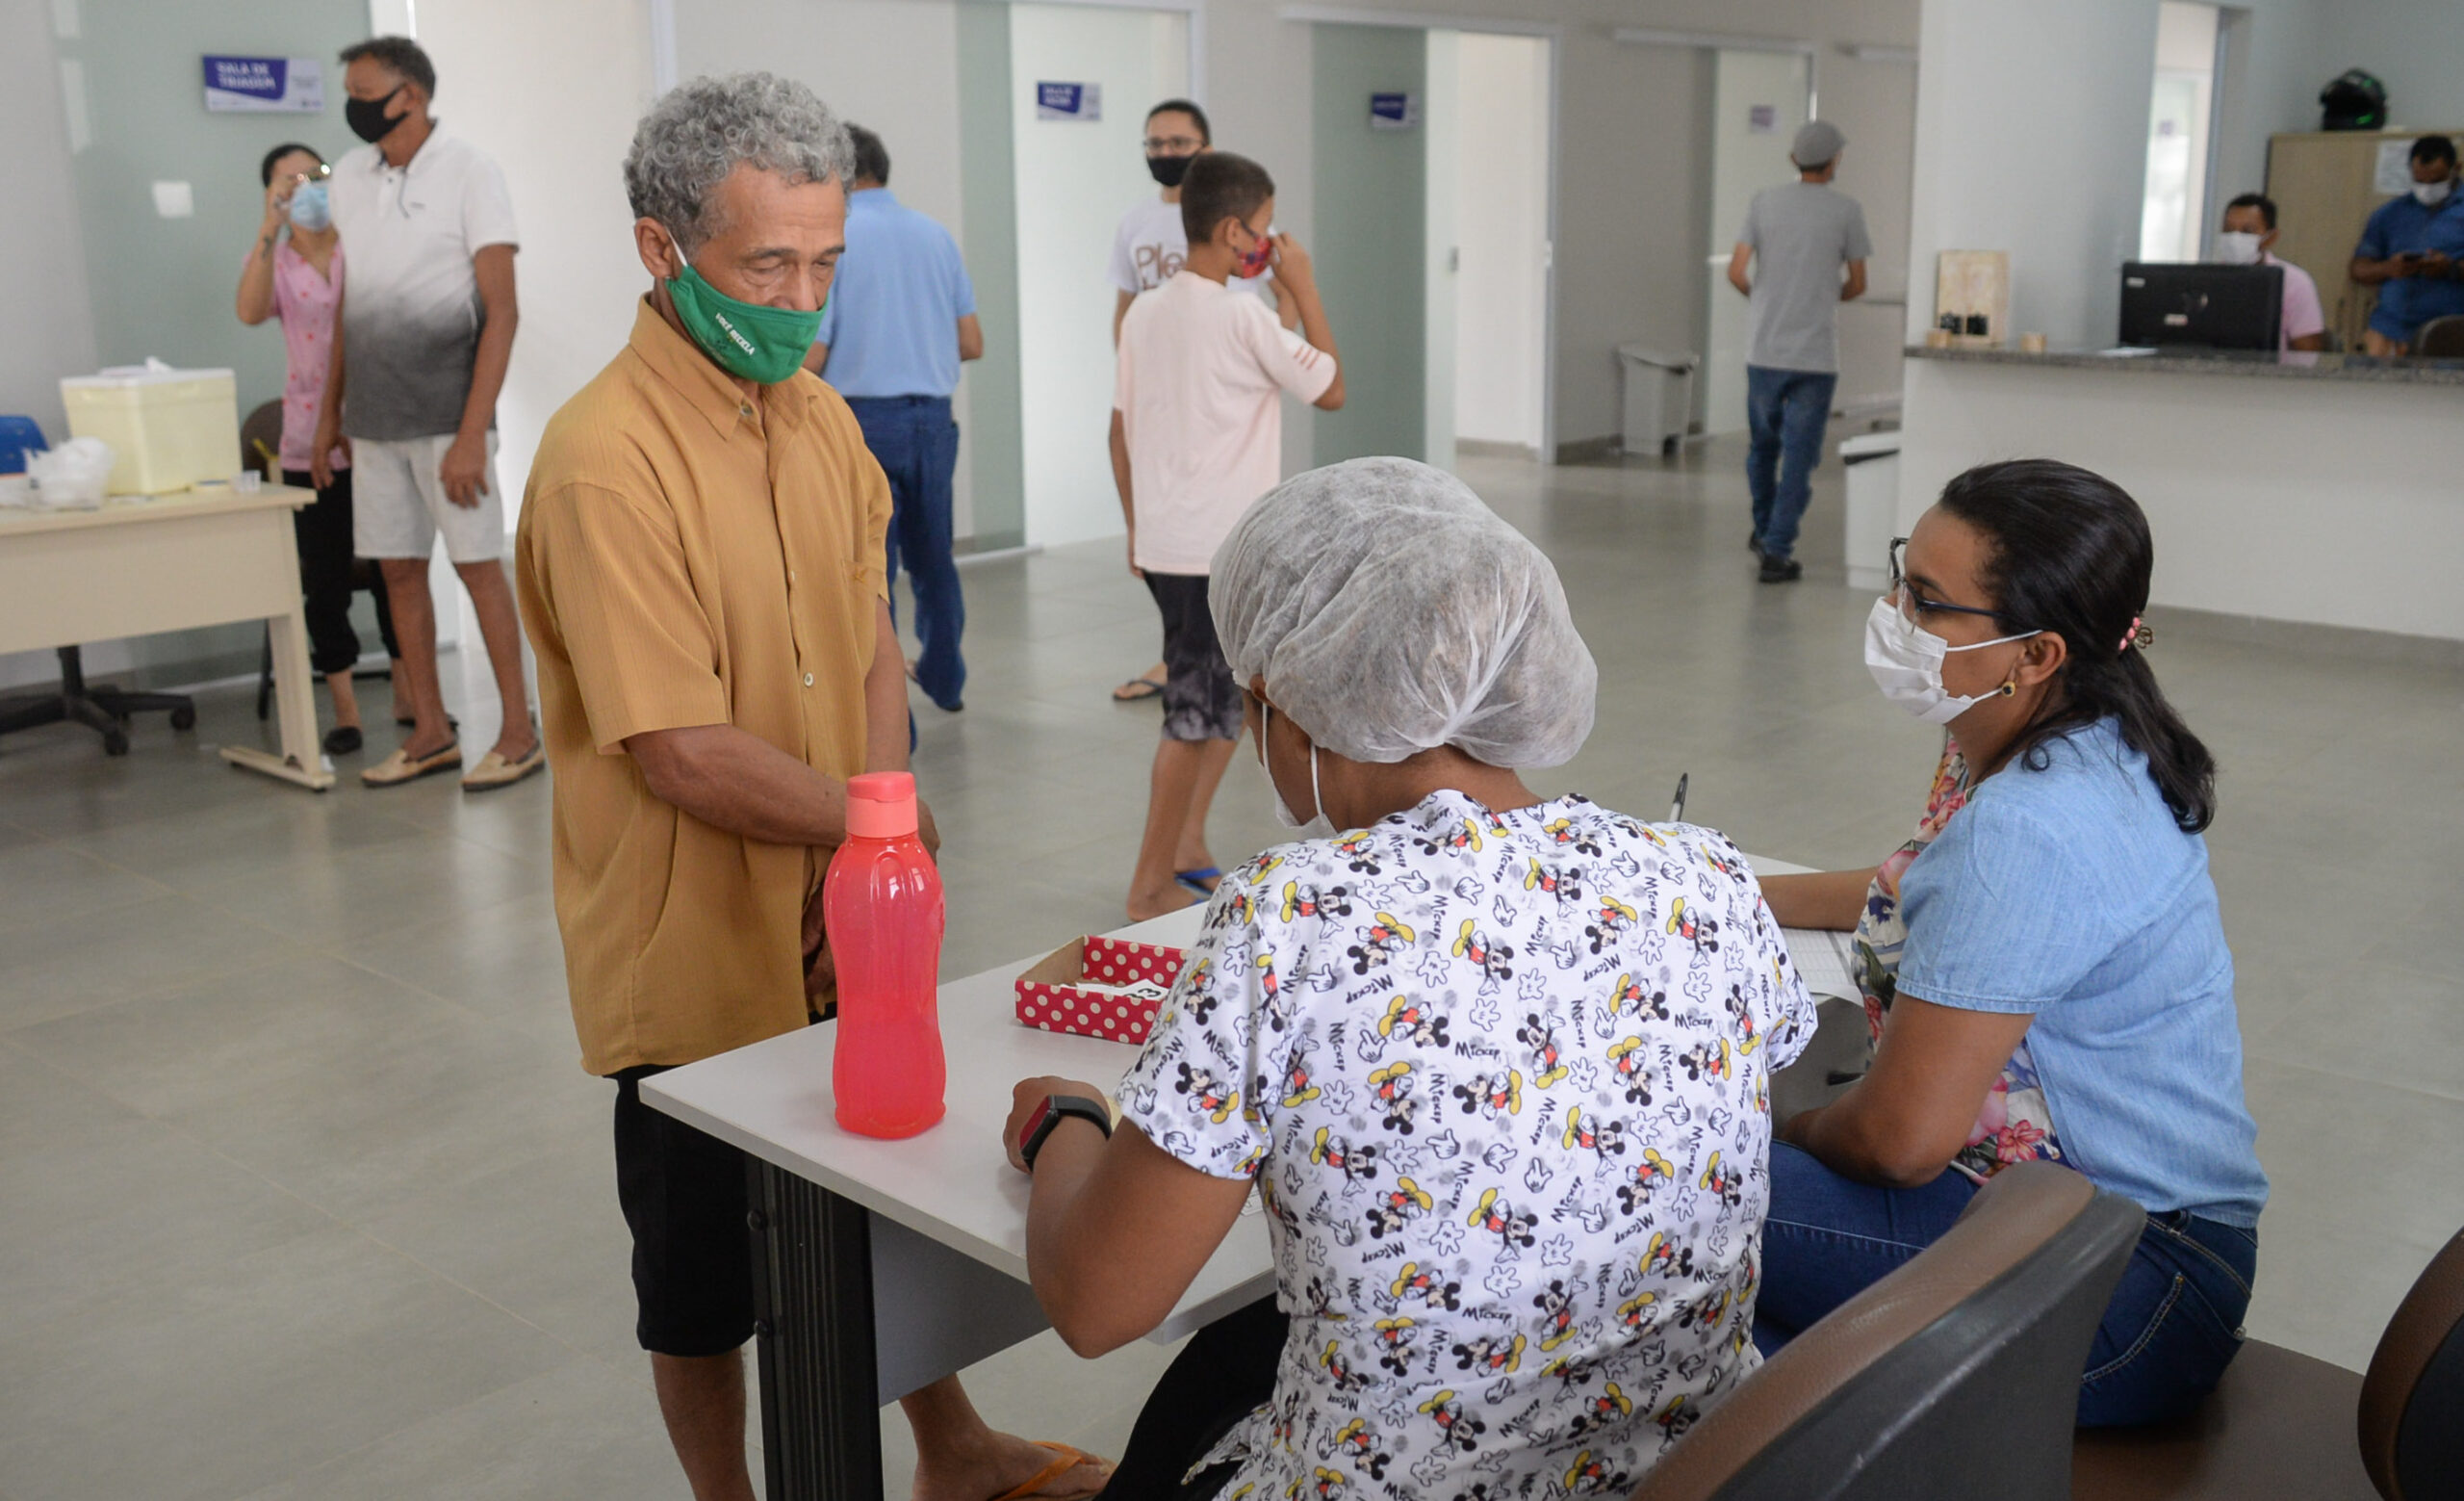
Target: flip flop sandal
x=397, y=768
x=1065, y=1460
x=1137, y=690
x=1196, y=880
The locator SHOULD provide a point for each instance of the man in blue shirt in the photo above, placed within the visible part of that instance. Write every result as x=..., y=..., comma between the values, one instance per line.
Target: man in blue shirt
x=2406, y=252
x=901, y=317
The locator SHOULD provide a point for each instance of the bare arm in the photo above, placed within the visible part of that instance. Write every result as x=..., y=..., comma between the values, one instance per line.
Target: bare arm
x=817, y=358
x=1120, y=310
x=329, y=406
x=971, y=339
x=1116, y=1229
x=2371, y=274
x=732, y=779
x=256, y=273
x=1739, y=259
x=463, y=470
x=1120, y=482
x=1901, y=1124
x=1298, y=275
x=1853, y=287
x=886, y=698
x=1832, y=900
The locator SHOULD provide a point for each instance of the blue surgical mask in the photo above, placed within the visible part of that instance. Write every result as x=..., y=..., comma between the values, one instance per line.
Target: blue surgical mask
x=311, y=209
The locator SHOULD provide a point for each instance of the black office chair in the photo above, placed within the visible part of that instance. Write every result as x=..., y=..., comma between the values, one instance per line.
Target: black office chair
x=2268, y=1432
x=2441, y=338
x=104, y=710
x=1954, y=1377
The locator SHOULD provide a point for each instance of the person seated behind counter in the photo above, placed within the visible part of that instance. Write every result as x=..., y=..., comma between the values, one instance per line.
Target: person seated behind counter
x=2410, y=251
x=1499, y=1066
x=2044, y=964
x=2246, y=238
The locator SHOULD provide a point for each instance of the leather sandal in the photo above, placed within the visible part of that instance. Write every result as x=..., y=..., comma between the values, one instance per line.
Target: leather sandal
x=400, y=767
x=495, y=772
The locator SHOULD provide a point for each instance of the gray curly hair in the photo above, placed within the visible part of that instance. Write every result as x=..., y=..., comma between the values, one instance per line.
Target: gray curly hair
x=699, y=132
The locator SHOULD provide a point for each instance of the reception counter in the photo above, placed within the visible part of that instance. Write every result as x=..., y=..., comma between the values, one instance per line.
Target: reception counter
x=2320, y=490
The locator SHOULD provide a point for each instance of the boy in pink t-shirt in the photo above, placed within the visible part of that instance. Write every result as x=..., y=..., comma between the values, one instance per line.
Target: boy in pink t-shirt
x=1197, y=436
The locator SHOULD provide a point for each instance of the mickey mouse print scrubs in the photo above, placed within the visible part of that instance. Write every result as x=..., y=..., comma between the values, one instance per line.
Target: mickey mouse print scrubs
x=1503, y=1080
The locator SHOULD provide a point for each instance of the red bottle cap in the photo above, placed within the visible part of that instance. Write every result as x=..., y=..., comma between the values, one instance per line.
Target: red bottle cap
x=880, y=805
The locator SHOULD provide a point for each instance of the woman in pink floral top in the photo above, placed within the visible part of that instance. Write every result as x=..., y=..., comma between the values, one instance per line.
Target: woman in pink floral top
x=294, y=272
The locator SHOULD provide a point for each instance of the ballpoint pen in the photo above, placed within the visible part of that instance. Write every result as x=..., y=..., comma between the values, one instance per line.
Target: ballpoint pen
x=1677, y=809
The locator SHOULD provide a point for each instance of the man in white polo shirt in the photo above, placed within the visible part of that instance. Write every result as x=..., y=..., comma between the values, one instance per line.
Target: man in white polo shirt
x=426, y=333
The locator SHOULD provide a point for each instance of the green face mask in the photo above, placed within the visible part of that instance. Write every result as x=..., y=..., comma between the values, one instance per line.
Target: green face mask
x=763, y=344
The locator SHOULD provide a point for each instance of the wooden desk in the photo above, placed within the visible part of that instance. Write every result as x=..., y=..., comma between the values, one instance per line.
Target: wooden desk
x=139, y=566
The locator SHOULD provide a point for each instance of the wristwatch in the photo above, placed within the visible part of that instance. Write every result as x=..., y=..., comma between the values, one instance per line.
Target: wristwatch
x=1055, y=1110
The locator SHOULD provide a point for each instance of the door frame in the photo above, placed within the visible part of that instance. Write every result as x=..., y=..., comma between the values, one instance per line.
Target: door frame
x=1555, y=35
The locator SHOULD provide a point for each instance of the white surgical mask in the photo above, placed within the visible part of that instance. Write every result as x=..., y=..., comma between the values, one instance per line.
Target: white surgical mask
x=1316, y=825
x=2430, y=194
x=2237, y=247
x=1906, y=661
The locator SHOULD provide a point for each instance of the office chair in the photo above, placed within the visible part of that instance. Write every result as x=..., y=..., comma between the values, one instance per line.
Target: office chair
x=1963, y=1364
x=103, y=710
x=2271, y=1428
x=2441, y=338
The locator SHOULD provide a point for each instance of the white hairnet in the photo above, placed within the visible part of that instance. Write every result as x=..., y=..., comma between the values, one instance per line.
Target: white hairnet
x=1390, y=612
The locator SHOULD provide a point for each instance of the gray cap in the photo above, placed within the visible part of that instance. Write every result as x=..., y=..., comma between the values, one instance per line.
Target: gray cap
x=1816, y=143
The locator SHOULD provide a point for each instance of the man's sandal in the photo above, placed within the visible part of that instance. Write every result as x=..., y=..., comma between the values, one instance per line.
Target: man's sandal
x=1065, y=1460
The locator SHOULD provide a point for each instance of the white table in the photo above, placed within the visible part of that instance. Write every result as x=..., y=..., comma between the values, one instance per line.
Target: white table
x=881, y=1266
x=143, y=564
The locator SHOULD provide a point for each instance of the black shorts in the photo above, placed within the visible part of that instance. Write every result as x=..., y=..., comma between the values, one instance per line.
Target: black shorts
x=683, y=1196
x=1201, y=700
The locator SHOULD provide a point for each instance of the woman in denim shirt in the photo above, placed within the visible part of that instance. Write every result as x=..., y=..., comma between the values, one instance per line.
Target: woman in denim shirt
x=2044, y=969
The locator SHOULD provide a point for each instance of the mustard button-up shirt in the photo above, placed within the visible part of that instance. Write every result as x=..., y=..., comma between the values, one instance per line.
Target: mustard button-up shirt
x=687, y=556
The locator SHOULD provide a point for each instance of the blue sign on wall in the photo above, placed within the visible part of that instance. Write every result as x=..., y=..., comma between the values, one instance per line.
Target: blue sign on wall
x=1394, y=111
x=285, y=85
x=1069, y=101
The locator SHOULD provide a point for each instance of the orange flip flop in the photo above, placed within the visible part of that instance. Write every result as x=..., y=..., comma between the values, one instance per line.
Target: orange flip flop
x=1065, y=1460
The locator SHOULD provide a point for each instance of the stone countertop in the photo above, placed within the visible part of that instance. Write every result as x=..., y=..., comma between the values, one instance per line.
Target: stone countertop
x=2294, y=365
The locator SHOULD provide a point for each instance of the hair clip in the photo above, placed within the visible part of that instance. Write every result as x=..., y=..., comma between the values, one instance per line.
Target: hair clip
x=2139, y=635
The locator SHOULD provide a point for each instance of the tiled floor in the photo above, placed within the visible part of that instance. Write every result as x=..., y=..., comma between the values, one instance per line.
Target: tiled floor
x=303, y=1194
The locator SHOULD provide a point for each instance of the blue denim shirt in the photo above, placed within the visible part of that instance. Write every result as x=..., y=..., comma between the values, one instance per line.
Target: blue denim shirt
x=2070, y=894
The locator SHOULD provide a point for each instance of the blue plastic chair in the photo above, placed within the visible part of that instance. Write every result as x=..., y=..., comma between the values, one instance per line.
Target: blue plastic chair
x=19, y=437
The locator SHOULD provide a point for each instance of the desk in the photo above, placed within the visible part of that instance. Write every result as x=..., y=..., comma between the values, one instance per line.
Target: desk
x=881, y=1266
x=196, y=558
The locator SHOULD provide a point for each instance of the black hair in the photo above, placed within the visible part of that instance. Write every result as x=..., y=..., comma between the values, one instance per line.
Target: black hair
x=401, y=54
x=2434, y=148
x=264, y=168
x=1220, y=186
x=2256, y=200
x=2069, y=554
x=872, y=158
x=1205, y=131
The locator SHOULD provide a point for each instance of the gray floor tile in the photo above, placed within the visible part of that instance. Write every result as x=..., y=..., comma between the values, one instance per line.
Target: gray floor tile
x=49, y=886
x=124, y=952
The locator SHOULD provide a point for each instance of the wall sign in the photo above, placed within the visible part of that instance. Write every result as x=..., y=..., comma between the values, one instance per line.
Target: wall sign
x=1069, y=101
x=1761, y=119
x=2395, y=168
x=1398, y=111
x=285, y=85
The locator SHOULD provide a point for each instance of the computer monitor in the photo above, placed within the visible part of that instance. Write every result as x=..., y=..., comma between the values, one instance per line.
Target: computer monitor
x=2202, y=306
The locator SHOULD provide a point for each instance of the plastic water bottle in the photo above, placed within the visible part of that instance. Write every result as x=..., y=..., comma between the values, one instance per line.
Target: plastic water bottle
x=882, y=905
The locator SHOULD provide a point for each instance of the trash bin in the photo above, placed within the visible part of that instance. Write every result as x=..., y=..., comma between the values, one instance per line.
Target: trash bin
x=1659, y=398
x=1872, y=463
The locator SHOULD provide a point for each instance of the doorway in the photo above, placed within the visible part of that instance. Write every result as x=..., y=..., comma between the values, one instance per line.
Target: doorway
x=1074, y=173
x=2181, y=109
x=1759, y=100
x=1431, y=231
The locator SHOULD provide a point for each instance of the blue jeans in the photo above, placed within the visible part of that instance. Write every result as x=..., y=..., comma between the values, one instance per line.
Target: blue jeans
x=918, y=445
x=2173, y=1325
x=1786, y=411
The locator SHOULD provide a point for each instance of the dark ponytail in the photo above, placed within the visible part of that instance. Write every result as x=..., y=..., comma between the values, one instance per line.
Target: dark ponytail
x=2069, y=552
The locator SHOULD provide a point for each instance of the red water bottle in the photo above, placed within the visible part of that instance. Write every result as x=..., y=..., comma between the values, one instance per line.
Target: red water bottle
x=882, y=906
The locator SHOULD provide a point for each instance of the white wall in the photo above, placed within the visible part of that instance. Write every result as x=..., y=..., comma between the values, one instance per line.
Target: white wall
x=1441, y=127
x=49, y=325
x=1075, y=179
x=837, y=48
x=1501, y=285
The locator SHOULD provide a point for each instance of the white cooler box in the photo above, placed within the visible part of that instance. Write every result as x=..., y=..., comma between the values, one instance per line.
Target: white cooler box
x=169, y=429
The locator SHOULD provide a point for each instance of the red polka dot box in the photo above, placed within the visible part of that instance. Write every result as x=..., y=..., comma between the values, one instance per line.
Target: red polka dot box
x=1098, y=987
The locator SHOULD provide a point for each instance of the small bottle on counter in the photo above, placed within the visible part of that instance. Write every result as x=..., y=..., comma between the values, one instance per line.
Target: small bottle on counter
x=882, y=906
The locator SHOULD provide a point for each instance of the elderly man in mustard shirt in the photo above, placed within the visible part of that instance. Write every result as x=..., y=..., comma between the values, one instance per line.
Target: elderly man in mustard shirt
x=701, y=567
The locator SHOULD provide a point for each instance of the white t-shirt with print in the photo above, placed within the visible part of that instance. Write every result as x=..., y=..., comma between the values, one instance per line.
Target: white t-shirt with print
x=1199, y=380
x=1151, y=243
x=1503, y=1081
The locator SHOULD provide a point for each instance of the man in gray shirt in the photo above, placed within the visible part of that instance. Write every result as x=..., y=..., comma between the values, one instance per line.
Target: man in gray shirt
x=1797, y=238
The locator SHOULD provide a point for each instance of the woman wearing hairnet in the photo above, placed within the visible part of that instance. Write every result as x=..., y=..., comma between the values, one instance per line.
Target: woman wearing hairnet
x=1497, y=1063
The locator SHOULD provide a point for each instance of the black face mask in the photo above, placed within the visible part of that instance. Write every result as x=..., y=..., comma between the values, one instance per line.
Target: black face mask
x=366, y=117
x=1169, y=169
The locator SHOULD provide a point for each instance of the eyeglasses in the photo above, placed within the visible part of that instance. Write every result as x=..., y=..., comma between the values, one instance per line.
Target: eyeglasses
x=1172, y=145
x=1911, y=601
